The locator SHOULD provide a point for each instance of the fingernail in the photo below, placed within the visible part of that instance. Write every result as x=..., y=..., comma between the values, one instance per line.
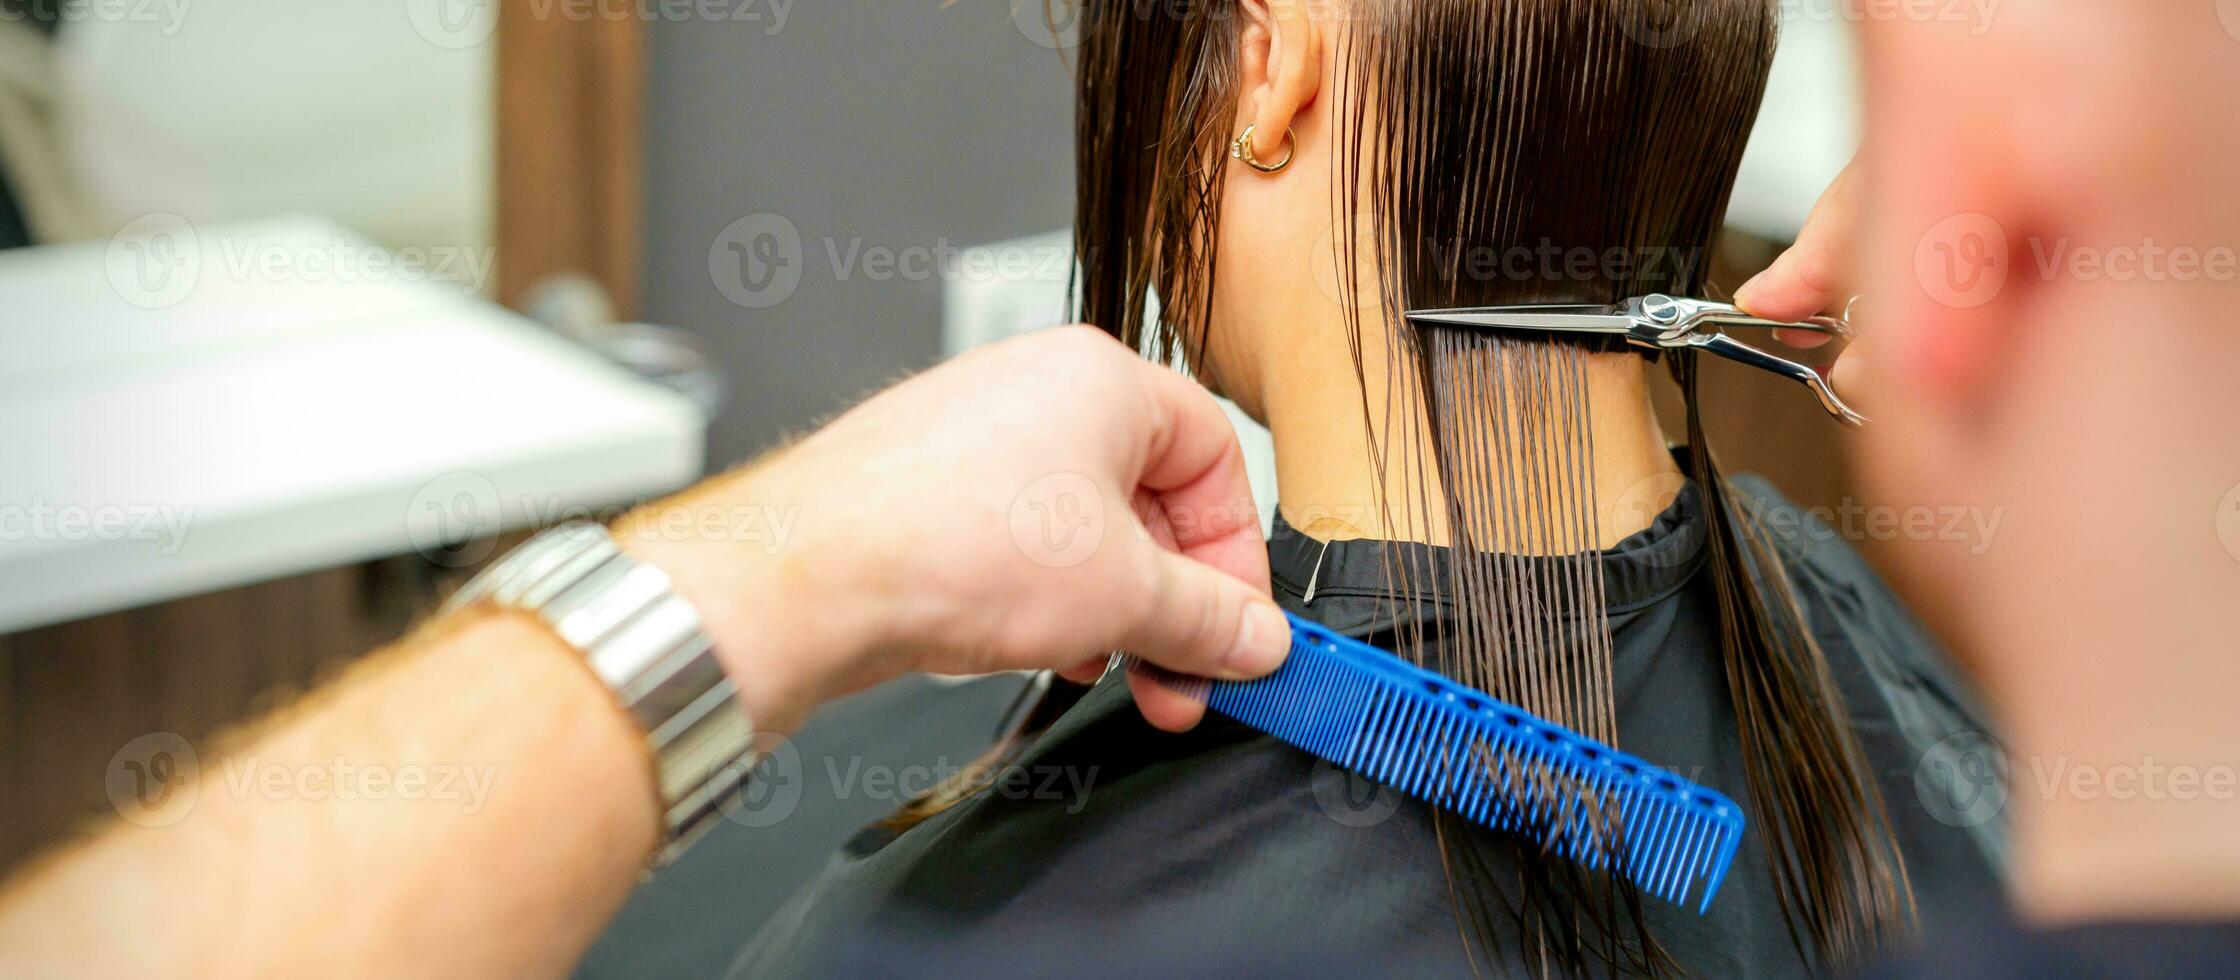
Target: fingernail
x=1262, y=637
x=1742, y=294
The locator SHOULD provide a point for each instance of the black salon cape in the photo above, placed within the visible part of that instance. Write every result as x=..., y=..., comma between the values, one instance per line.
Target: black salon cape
x=1224, y=840
x=2143, y=950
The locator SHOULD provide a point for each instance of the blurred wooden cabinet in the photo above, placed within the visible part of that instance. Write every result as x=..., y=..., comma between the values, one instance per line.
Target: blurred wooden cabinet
x=570, y=151
x=73, y=695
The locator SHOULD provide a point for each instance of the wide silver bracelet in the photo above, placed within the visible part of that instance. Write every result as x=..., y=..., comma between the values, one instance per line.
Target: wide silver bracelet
x=645, y=641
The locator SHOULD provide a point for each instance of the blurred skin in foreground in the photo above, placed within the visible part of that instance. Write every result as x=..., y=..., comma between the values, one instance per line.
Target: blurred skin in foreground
x=2044, y=225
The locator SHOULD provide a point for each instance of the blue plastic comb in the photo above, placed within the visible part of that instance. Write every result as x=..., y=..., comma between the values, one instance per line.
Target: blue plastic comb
x=1460, y=749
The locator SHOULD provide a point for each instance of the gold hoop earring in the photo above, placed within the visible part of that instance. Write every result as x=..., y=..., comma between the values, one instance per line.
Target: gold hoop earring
x=1241, y=149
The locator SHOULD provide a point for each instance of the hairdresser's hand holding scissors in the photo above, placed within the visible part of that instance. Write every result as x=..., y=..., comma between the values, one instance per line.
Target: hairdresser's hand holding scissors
x=1814, y=276
x=1033, y=505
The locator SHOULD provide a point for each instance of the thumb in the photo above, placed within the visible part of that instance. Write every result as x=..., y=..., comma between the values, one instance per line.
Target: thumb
x=1201, y=621
x=1811, y=276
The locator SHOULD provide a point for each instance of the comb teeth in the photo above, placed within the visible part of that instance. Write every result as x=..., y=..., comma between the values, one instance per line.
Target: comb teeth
x=1460, y=749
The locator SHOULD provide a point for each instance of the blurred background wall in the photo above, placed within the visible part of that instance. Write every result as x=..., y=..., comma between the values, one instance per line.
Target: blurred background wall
x=900, y=127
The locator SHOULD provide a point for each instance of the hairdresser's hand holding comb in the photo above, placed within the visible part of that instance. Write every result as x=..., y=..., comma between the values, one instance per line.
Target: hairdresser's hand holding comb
x=1035, y=504
x=1814, y=275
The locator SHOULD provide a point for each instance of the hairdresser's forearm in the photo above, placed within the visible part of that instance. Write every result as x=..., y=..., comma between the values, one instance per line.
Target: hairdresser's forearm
x=912, y=544
x=544, y=816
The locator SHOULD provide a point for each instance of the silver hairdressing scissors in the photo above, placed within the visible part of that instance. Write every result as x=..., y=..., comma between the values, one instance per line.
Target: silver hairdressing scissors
x=1660, y=322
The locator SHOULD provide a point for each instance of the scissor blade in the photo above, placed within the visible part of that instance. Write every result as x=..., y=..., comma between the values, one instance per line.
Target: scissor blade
x=1576, y=319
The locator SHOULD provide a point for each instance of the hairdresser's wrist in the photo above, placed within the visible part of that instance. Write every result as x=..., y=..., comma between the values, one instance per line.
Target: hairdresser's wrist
x=790, y=623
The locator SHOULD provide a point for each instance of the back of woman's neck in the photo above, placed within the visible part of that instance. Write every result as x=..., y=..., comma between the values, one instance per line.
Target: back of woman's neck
x=1326, y=473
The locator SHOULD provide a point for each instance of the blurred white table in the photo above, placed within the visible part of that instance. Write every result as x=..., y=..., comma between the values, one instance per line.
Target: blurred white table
x=282, y=415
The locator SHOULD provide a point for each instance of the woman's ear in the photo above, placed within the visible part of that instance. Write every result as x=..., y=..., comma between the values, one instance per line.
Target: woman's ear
x=1282, y=69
